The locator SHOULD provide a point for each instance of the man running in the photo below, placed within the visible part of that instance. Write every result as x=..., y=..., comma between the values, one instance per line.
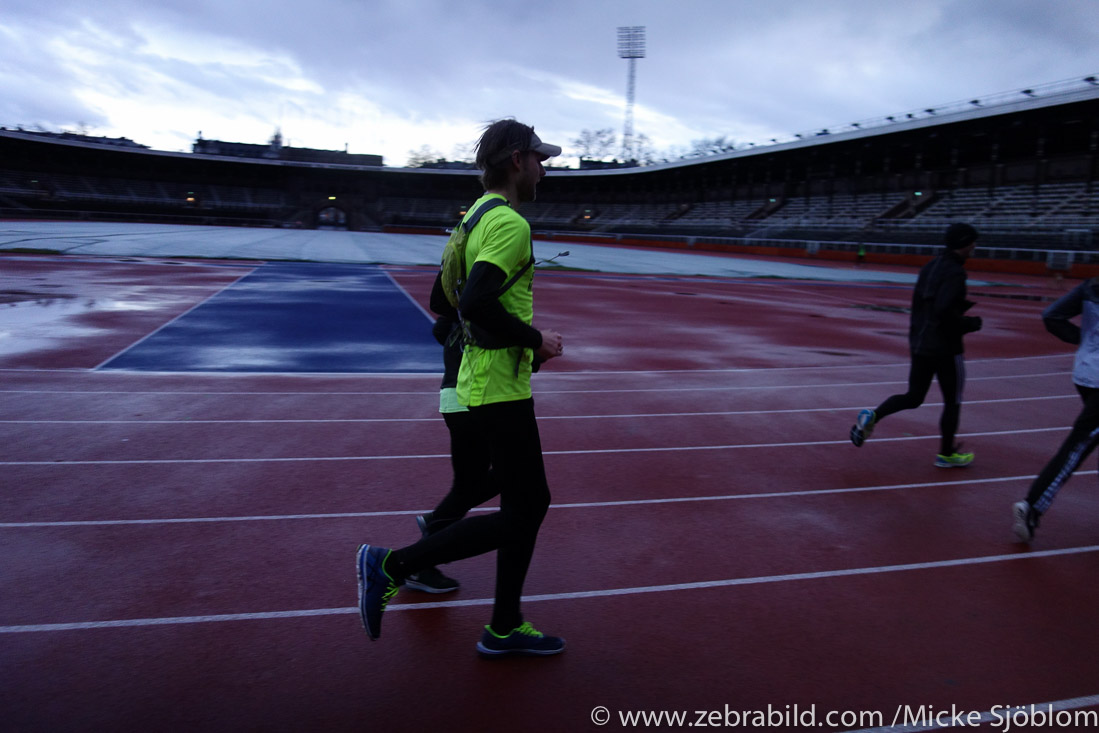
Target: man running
x=494, y=383
x=935, y=338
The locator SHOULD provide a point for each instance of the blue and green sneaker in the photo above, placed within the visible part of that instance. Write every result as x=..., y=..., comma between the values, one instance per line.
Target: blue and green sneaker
x=954, y=460
x=376, y=587
x=524, y=639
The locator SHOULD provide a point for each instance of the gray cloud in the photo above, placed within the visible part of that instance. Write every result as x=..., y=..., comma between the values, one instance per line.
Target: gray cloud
x=389, y=73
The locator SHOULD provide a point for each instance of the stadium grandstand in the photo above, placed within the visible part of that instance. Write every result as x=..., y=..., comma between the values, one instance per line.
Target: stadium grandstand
x=1020, y=166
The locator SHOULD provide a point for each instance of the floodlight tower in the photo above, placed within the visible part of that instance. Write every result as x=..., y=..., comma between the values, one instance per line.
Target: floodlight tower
x=631, y=46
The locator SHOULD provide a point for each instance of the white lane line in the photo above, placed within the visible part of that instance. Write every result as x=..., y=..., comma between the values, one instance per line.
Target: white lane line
x=814, y=368
x=537, y=390
x=544, y=376
x=606, y=593
x=578, y=452
x=404, y=292
x=435, y=418
x=573, y=505
x=766, y=387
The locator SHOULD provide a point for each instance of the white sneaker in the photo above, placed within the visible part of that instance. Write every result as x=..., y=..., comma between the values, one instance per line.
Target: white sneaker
x=1026, y=521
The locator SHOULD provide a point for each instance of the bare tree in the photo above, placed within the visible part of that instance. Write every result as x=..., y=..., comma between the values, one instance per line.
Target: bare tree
x=594, y=144
x=418, y=158
x=463, y=152
x=643, y=149
x=710, y=146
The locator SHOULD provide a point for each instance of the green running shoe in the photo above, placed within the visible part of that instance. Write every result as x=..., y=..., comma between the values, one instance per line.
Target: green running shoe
x=954, y=460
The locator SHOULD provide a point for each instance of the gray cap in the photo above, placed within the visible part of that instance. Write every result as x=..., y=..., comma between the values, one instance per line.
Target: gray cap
x=542, y=148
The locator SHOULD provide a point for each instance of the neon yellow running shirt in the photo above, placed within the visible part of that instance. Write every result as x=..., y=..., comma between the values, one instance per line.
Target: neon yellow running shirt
x=502, y=238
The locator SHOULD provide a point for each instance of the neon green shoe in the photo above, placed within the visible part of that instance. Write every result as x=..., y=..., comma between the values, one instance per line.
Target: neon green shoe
x=954, y=460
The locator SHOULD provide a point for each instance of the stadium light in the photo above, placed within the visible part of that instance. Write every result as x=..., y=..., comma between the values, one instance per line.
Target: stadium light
x=631, y=46
x=631, y=42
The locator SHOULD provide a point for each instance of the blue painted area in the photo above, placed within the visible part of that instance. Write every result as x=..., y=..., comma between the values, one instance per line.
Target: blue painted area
x=295, y=317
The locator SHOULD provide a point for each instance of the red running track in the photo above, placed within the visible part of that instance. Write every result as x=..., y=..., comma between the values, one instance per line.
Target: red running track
x=177, y=548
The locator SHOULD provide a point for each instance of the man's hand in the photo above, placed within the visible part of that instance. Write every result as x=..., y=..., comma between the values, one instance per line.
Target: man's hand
x=551, y=345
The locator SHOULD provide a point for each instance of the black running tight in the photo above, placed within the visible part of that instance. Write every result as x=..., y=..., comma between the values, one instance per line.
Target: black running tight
x=950, y=371
x=474, y=480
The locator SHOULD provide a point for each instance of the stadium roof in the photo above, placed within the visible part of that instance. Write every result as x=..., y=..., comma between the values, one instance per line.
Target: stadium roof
x=1023, y=100
x=1006, y=103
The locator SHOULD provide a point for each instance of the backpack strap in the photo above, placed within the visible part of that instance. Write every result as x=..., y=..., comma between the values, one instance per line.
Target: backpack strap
x=514, y=278
x=472, y=219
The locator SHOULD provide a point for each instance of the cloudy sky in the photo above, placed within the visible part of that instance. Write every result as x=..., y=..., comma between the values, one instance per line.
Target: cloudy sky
x=391, y=76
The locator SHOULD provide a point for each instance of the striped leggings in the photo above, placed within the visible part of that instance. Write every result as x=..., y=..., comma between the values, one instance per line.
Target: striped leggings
x=1077, y=446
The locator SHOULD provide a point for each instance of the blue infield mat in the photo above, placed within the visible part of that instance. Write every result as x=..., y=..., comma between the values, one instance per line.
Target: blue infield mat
x=295, y=317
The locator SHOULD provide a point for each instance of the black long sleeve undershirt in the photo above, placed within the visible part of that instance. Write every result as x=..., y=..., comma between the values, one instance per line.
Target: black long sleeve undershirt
x=480, y=304
x=439, y=304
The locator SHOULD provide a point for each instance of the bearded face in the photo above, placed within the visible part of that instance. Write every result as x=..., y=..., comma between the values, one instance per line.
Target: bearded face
x=531, y=172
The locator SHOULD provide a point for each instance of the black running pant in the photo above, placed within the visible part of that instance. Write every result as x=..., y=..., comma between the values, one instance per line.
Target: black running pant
x=515, y=451
x=1079, y=443
x=474, y=481
x=950, y=371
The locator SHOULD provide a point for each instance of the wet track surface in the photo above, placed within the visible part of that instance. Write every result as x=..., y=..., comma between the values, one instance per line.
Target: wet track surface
x=177, y=538
x=273, y=317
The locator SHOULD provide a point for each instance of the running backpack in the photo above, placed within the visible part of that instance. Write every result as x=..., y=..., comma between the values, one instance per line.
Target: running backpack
x=454, y=253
